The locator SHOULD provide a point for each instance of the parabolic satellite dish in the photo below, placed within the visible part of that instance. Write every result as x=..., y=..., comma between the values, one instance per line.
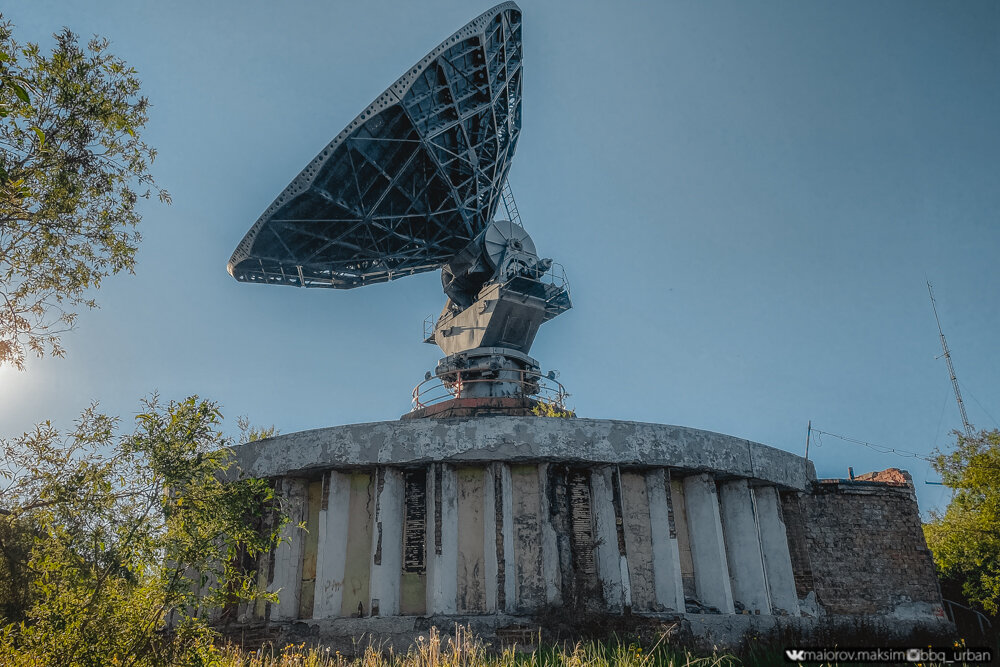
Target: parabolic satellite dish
x=413, y=184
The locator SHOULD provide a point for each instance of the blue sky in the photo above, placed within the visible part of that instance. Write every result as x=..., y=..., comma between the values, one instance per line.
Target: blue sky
x=748, y=199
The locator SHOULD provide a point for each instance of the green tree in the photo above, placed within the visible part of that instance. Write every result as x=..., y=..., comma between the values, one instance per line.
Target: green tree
x=72, y=169
x=118, y=532
x=965, y=539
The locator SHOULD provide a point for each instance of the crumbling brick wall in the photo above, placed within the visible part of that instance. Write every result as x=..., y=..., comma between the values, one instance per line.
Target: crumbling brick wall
x=864, y=546
x=798, y=541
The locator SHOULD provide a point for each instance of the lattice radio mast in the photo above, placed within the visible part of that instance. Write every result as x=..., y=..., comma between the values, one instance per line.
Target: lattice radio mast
x=951, y=368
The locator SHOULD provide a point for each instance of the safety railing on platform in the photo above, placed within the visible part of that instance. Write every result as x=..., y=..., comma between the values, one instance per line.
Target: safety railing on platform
x=456, y=384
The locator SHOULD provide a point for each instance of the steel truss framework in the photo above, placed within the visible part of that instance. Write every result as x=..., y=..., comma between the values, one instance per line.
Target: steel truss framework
x=411, y=181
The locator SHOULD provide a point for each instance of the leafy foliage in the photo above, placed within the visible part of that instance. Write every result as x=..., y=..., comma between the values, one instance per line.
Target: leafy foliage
x=545, y=408
x=122, y=531
x=72, y=168
x=251, y=433
x=965, y=539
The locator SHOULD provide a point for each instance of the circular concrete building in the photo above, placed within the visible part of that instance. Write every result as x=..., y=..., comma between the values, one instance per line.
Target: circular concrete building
x=503, y=520
x=515, y=514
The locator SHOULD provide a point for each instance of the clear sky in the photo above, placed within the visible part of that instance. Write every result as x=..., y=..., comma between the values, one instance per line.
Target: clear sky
x=748, y=199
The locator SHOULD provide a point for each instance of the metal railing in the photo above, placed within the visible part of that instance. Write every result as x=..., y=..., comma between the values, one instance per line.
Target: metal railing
x=984, y=622
x=554, y=275
x=429, y=323
x=455, y=384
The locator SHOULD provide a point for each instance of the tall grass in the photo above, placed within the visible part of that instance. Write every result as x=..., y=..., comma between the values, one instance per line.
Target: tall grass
x=465, y=650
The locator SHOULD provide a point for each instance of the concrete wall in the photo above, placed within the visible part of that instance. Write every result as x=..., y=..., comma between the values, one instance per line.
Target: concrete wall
x=517, y=538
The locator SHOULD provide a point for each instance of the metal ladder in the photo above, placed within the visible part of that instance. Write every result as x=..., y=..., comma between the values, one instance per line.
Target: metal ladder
x=507, y=196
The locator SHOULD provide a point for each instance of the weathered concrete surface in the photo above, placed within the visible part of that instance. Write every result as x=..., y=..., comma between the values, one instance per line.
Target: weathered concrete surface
x=413, y=578
x=666, y=553
x=746, y=563
x=774, y=546
x=522, y=440
x=471, y=547
x=638, y=542
x=287, y=577
x=506, y=550
x=607, y=552
x=708, y=549
x=387, y=539
x=683, y=539
x=550, y=547
x=307, y=587
x=529, y=582
x=492, y=537
x=357, y=566
x=442, y=540
x=331, y=548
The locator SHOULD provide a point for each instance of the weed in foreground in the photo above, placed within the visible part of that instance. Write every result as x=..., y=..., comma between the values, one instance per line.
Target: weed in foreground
x=464, y=649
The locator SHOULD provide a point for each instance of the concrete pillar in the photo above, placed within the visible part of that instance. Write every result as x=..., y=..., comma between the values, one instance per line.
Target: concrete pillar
x=708, y=549
x=774, y=544
x=356, y=598
x=331, y=551
x=387, y=543
x=294, y=494
x=491, y=537
x=509, y=561
x=471, y=571
x=550, y=547
x=638, y=533
x=442, y=540
x=676, y=494
x=529, y=571
x=607, y=553
x=307, y=587
x=746, y=565
x=666, y=554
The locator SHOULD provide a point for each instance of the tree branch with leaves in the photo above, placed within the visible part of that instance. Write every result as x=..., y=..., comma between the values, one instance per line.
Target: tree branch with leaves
x=965, y=538
x=73, y=167
x=109, y=533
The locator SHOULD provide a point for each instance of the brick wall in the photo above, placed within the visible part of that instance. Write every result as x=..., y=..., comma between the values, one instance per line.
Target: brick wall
x=798, y=541
x=860, y=545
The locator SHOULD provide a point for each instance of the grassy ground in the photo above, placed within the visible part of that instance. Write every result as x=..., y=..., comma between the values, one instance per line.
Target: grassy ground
x=465, y=650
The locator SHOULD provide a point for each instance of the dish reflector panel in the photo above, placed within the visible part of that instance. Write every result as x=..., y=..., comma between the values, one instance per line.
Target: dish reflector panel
x=411, y=181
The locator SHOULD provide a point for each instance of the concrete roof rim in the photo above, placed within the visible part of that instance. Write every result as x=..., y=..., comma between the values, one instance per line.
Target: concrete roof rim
x=349, y=446
x=314, y=473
